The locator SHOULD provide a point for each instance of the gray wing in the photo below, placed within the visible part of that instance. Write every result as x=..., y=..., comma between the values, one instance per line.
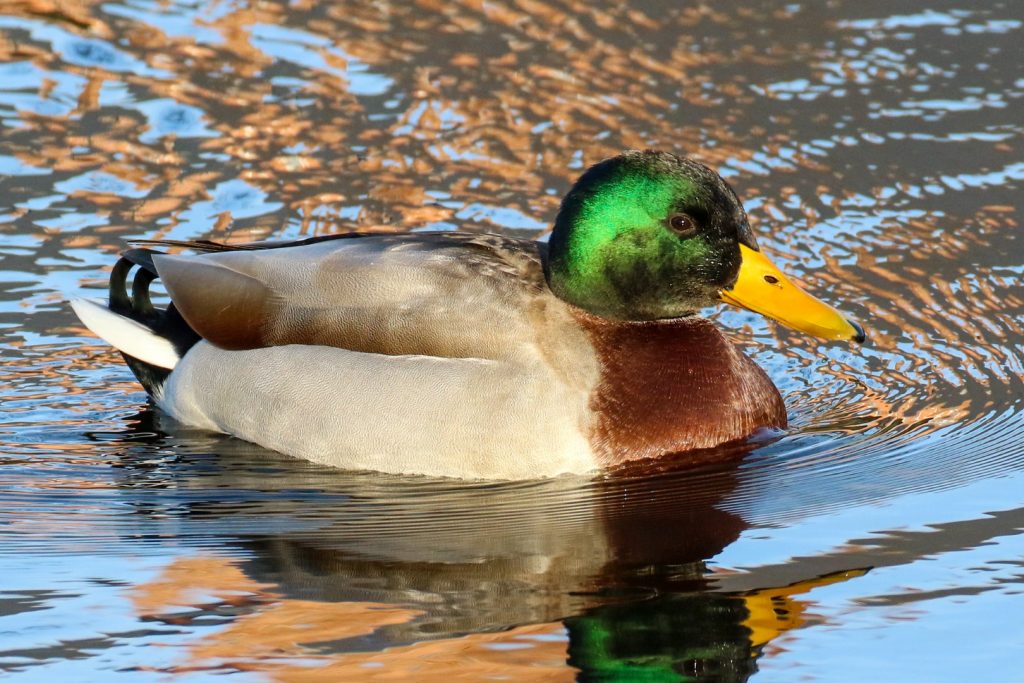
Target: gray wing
x=451, y=295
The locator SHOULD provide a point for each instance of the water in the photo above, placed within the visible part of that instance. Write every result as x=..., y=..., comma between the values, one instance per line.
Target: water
x=879, y=153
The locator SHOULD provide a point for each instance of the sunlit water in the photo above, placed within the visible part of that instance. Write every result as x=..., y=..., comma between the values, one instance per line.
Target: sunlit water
x=878, y=153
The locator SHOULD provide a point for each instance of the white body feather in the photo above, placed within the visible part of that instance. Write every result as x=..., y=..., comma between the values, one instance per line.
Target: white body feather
x=455, y=417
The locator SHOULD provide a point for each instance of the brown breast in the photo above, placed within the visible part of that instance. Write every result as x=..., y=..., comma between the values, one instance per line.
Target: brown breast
x=674, y=386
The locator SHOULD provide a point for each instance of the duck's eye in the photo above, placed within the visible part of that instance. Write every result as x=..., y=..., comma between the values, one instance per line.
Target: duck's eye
x=682, y=225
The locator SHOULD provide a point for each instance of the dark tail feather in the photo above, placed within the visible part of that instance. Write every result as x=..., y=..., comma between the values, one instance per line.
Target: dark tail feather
x=138, y=306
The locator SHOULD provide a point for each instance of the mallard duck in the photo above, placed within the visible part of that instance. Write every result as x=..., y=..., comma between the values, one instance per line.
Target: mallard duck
x=474, y=355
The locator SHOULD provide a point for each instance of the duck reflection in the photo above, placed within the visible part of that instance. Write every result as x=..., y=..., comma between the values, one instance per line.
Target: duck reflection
x=491, y=557
x=610, y=571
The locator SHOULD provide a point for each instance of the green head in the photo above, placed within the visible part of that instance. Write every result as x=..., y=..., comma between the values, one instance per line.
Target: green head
x=647, y=235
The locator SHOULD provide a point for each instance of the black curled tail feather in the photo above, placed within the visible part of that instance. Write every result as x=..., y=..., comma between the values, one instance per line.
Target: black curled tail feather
x=138, y=306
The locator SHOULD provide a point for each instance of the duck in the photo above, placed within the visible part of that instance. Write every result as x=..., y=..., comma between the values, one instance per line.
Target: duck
x=473, y=355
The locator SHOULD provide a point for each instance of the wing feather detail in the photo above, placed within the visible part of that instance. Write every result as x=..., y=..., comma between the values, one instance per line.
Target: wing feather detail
x=453, y=296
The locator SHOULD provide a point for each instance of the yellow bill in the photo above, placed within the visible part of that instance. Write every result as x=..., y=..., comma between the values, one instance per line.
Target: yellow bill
x=762, y=288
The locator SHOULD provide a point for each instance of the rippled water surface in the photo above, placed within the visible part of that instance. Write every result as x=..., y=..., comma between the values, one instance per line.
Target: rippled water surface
x=879, y=153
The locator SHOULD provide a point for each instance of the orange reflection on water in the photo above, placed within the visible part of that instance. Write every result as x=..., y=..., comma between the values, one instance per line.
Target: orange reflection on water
x=443, y=134
x=278, y=636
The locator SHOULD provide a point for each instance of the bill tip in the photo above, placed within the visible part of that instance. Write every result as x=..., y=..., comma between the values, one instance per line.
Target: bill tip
x=860, y=337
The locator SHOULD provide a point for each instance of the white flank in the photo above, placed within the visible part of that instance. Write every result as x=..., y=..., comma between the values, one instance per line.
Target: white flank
x=126, y=335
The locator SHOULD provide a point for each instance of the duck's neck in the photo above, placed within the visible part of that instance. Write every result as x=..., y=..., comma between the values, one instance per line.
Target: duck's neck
x=673, y=386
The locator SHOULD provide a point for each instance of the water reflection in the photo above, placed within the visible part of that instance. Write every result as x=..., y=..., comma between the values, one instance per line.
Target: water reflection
x=602, y=575
x=665, y=637
x=878, y=153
